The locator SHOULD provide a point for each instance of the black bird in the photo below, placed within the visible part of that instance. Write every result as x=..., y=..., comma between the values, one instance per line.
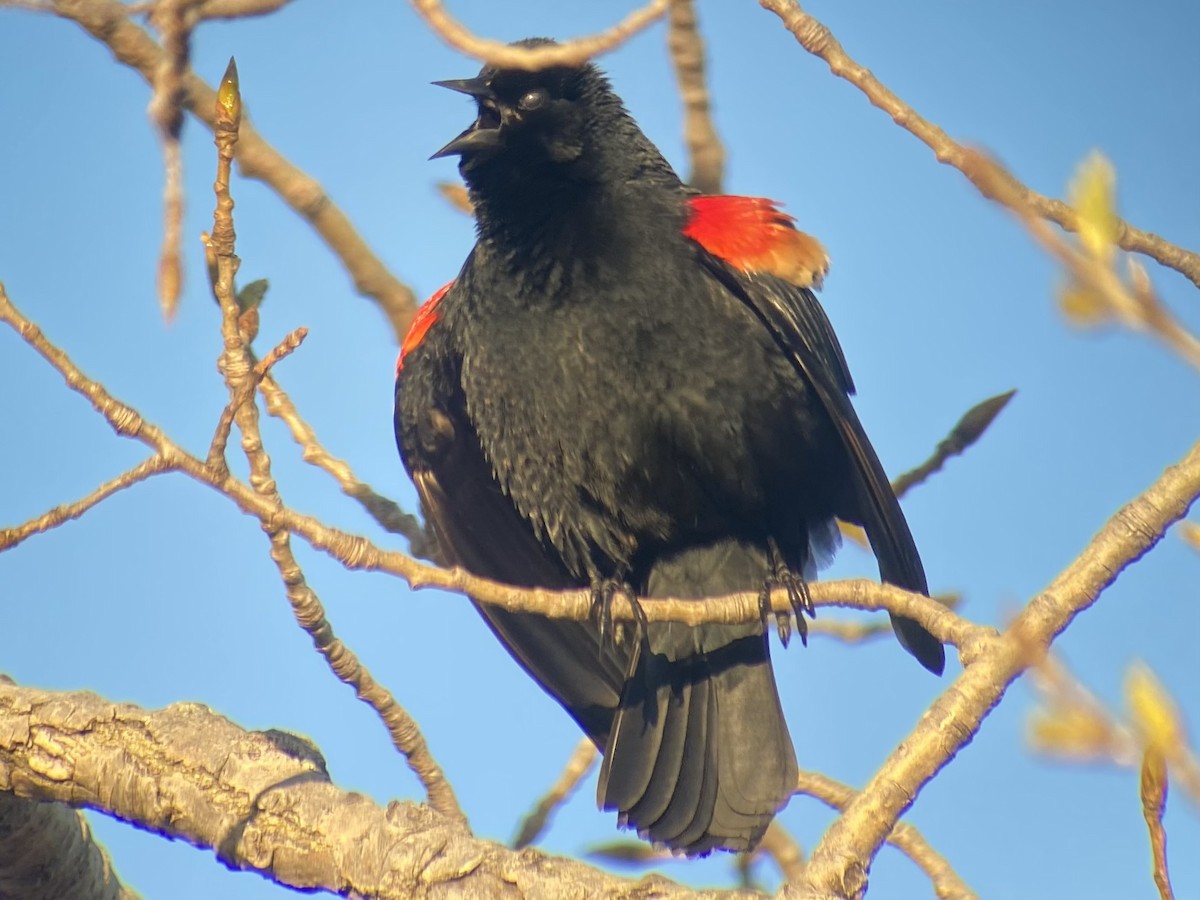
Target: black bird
x=631, y=384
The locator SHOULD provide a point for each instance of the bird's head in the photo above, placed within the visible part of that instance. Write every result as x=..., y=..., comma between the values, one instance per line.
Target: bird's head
x=535, y=118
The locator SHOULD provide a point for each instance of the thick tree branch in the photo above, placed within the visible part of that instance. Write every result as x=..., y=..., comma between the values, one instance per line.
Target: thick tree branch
x=263, y=802
x=47, y=853
x=904, y=837
x=839, y=863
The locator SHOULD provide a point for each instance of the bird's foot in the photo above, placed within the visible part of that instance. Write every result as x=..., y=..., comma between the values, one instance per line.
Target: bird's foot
x=798, y=598
x=604, y=591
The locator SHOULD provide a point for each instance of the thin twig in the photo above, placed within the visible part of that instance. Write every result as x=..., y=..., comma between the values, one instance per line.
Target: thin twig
x=1154, y=804
x=241, y=376
x=10, y=537
x=904, y=837
x=390, y=516
x=109, y=22
x=969, y=429
x=965, y=432
x=357, y=553
x=238, y=9
x=1140, y=310
x=571, y=53
x=784, y=849
x=858, y=631
x=457, y=195
x=291, y=341
x=817, y=39
x=699, y=133
x=581, y=762
x=174, y=23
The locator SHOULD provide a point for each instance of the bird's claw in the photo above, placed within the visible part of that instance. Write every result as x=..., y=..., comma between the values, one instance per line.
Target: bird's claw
x=783, y=621
x=799, y=599
x=612, y=633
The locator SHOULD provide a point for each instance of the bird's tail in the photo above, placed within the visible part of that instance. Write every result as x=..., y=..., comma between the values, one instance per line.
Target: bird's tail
x=699, y=757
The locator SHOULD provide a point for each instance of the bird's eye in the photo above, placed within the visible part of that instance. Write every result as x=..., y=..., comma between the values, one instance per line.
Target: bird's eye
x=532, y=100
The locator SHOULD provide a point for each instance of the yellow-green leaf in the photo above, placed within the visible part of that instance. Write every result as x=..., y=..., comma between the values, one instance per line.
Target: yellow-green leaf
x=1154, y=712
x=1082, y=306
x=1074, y=732
x=1191, y=533
x=1093, y=195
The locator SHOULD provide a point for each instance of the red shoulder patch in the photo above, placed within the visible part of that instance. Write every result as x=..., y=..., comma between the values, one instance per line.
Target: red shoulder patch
x=426, y=315
x=752, y=234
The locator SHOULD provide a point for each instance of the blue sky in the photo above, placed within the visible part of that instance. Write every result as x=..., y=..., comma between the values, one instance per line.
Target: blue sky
x=165, y=593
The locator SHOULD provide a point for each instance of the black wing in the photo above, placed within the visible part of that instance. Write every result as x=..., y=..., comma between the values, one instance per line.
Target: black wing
x=479, y=528
x=801, y=329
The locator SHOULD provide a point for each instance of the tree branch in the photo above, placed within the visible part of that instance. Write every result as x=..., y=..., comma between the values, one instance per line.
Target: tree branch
x=242, y=374
x=263, y=802
x=10, y=537
x=904, y=837
x=108, y=22
x=47, y=852
x=839, y=863
x=501, y=55
x=705, y=150
x=356, y=552
x=817, y=39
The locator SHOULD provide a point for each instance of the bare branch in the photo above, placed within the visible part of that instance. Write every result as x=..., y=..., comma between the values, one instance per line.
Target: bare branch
x=966, y=432
x=838, y=865
x=817, y=39
x=904, y=837
x=174, y=21
x=457, y=195
x=47, y=852
x=1154, y=804
x=216, y=450
x=687, y=53
x=784, y=850
x=356, y=552
x=570, y=53
x=241, y=377
x=108, y=22
x=581, y=762
x=10, y=537
x=1138, y=309
x=238, y=9
x=390, y=516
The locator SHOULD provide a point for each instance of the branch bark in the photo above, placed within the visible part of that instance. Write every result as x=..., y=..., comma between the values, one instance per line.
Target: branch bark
x=109, y=22
x=818, y=40
x=263, y=802
x=841, y=860
x=47, y=853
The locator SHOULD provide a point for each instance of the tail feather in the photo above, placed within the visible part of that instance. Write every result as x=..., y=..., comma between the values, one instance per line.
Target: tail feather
x=699, y=757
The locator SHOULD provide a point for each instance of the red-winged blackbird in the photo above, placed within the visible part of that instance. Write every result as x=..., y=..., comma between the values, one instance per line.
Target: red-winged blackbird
x=631, y=384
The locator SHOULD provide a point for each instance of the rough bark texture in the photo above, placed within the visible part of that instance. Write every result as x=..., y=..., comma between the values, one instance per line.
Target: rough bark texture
x=264, y=802
x=47, y=853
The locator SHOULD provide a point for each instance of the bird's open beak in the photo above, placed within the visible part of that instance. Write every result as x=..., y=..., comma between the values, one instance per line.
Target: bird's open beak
x=475, y=139
x=484, y=133
x=478, y=88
